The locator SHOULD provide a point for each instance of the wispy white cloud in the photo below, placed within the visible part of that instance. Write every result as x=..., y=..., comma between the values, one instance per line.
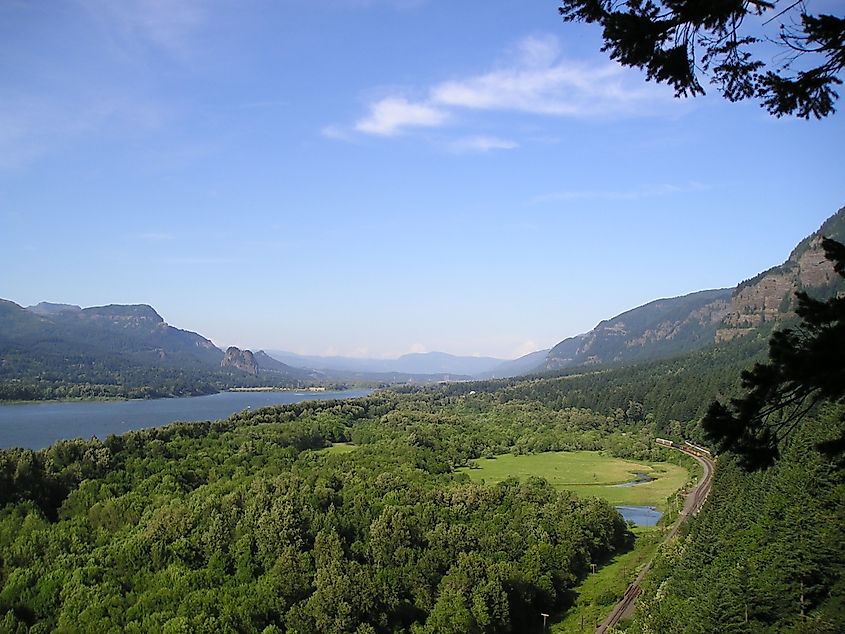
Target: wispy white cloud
x=526, y=347
x=533, y=78
x=481, y=144
x=391, y=115
x=336, y=133
x=538, y=81
x=646, y=191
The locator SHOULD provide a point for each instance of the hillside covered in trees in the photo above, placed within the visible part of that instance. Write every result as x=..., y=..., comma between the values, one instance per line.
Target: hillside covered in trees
x=249, y=524
x=56, y=351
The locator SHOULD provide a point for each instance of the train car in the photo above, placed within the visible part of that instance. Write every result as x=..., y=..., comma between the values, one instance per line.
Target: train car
x=664, y=442
x=697, y=449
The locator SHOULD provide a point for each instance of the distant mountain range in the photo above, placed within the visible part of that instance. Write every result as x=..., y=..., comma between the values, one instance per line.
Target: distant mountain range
x=64, y=351
x=425, y=363
x=134, y=332
x=49, y=350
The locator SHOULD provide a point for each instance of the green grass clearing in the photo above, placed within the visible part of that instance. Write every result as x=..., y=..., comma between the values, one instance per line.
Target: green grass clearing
x=588, y=473
x=338, y=447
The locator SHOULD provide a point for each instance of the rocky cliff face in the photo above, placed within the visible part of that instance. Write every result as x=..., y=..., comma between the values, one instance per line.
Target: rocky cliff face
x=770, y=297
x=238, y=359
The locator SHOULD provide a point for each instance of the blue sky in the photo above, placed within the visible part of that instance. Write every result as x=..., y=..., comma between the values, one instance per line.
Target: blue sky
x=377, y=177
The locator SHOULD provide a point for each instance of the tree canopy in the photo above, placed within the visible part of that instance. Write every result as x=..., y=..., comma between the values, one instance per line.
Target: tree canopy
x=678, y=41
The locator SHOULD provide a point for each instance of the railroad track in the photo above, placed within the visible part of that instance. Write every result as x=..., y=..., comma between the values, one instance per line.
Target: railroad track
x=693, y=503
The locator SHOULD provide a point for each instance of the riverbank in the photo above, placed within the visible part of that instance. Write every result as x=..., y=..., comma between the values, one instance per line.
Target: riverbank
x=271, y=388
x=108, y=399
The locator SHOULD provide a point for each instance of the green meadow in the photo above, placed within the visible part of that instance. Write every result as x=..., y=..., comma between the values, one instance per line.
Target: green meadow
x=338, y=447
x=587, y=473
x=595, y=473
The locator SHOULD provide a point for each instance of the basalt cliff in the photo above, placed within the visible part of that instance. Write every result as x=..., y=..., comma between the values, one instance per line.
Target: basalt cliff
x=770, y=296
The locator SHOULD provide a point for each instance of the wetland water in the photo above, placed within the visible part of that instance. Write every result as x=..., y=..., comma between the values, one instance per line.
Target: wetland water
x=38, y=425
x=640, y=515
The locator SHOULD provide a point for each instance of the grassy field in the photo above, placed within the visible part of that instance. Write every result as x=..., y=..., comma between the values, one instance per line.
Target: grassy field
x=595, y=473
x=587, y=473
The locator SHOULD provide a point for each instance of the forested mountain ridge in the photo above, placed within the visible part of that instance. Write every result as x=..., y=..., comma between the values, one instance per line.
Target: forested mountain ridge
x=660, y=328
x=517, y=367
x=135, y=330
x=668, y=327
x=63, y=351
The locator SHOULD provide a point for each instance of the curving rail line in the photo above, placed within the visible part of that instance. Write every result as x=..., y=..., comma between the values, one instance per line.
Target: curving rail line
x=693, y=503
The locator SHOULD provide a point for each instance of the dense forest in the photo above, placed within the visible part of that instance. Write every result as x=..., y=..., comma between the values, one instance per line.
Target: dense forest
x=249, y=524
x=766, y=553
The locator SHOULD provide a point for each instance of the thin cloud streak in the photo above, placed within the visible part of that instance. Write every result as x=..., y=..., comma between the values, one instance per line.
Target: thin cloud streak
x=648, y=191
x=481, y=144
x=156, y=237
x=196, y=261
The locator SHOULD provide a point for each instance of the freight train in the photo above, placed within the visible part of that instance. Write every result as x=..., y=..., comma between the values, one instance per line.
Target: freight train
x=689, y=447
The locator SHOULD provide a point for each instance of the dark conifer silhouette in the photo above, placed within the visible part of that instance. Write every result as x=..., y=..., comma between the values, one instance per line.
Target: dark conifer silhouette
x=806, y=366
x=675, y=41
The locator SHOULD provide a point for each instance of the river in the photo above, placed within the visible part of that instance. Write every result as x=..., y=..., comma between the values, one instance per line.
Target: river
x=38, y=425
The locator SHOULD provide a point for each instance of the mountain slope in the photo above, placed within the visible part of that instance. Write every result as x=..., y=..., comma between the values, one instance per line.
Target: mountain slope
x=660, y=328
x=533, y=361
x=136, y=331
x=668, y=327
x=63, y=351
x=770, y=296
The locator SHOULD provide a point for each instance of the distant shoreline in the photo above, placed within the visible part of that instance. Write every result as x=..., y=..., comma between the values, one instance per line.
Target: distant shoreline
x=105, y=399
x=80, y=399
x=270, y=388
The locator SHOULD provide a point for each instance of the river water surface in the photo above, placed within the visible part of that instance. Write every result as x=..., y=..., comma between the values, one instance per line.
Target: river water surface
x=38, y=425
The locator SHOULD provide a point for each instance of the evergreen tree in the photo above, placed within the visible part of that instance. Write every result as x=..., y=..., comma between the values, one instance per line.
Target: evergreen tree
x=676, y=40
x=806, y=366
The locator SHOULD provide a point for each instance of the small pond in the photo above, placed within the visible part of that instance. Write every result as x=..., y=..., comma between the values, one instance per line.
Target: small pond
x=640, y=515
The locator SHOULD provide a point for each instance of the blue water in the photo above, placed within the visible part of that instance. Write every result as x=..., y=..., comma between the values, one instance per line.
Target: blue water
x=38, y=425
x=640, y=515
